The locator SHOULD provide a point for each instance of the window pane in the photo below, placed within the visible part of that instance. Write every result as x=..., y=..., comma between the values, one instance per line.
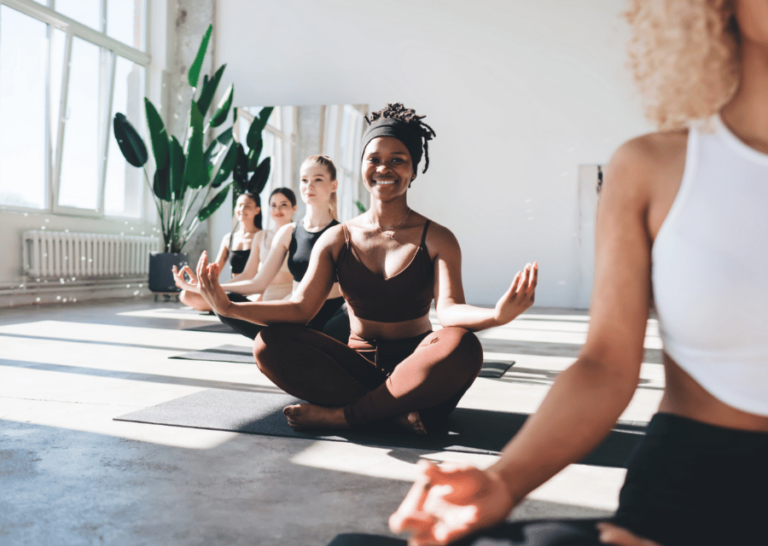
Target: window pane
x=23, y=59
x=87, y=12
x=125, y=21
x=58, y=43
x=85, y=127
x=123, y=183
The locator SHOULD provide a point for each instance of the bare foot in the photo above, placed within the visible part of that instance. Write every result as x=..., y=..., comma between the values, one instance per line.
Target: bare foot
x=412, y=422
x=312, y=416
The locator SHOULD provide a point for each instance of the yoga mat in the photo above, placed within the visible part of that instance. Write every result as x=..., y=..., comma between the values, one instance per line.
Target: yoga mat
x=223, y=353
x=364, y=539
x=218, y=327
x=469, y=430
x=244, y=355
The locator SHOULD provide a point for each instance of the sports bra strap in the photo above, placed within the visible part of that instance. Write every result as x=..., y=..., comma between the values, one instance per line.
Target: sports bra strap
x=346, y=233
x=424, y=235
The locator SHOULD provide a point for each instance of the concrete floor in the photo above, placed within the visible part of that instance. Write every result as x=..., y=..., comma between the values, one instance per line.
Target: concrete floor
x=69, y=474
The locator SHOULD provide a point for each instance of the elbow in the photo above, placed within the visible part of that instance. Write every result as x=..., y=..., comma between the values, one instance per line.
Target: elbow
x=617, y=376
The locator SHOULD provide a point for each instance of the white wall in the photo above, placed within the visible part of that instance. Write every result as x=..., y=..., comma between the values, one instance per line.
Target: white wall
x=520, y=93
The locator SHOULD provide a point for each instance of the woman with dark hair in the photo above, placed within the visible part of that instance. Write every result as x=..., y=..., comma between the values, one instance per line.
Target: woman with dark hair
x=282, y=206
x=235, y=248
x=682, y=217
x=390, y=263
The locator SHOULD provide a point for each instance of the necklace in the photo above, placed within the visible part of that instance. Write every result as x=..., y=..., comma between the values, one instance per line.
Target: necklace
x=393, y=229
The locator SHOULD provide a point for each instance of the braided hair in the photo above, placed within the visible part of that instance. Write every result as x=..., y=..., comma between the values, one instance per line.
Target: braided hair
x=408, y=116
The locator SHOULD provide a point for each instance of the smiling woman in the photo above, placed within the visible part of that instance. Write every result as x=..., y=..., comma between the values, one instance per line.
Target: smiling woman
x=390, y=263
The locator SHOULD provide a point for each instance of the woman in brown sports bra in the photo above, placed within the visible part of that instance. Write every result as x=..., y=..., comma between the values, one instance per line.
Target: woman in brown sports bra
x=390, y=263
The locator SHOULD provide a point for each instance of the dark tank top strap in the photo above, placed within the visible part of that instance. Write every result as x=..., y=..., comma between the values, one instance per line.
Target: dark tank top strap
x=424, y=234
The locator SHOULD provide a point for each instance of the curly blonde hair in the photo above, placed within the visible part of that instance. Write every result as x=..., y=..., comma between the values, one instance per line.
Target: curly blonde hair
x=685, y=57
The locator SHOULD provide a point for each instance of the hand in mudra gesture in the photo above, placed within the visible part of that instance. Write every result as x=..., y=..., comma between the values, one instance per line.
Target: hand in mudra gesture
x=520, y=295
x=181, y=282
x=210, y=289
x=450, y=501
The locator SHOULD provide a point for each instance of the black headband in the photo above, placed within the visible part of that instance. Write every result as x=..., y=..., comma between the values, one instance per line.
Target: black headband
x=407, y=133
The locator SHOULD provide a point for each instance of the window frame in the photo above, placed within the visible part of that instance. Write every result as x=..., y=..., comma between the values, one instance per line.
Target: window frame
x=72, y=28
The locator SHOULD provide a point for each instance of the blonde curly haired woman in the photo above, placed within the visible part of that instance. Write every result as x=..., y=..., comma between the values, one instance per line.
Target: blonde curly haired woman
x=683, y=217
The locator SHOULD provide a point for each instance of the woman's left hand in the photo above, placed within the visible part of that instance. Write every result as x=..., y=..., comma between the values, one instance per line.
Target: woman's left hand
x=520, y=295
x=210, y=289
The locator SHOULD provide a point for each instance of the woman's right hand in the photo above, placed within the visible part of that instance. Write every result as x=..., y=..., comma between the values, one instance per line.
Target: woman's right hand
x=181, y=282
x=449, y=502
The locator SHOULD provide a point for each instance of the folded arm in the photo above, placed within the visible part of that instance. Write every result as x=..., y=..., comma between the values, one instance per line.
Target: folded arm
x=452, y=309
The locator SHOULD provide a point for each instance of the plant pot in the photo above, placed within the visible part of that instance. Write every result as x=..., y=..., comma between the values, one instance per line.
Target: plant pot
x=161, y=270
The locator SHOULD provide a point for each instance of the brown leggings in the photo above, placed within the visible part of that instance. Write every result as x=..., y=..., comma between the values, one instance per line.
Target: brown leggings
x=373, y=380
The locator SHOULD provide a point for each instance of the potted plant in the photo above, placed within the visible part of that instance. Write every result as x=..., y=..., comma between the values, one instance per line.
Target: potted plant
x=189, y=183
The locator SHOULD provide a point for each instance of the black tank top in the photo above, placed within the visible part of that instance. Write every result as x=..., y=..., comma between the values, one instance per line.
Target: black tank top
x=300, y=249
x=238, y=259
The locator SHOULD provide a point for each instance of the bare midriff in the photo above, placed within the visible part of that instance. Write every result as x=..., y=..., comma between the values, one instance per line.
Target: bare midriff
x=685, y=397
x=372, y=329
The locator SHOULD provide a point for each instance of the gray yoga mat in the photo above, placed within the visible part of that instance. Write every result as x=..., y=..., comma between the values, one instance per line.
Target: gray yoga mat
x=468, y=430
x=217, y=327
x=244, y=355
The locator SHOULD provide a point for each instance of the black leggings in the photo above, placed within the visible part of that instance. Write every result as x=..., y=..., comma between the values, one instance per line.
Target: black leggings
x=332, y=320
x=687, y=484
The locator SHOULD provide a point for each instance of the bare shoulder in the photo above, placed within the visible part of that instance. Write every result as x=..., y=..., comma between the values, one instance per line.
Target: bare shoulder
x=441, y=240
x=333, y=239
x=640, y=164
x=283, y=235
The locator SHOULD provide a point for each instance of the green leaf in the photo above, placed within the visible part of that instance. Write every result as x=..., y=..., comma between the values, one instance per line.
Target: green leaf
x=214, y=204
x=254, y=154
x=209, y=91
x=234, y=114
x=218, y=144
x=197, y=64
x=177, y=168
x=162, y=184
x=222, y=109
x=195, y=169
x=360, y=207
x=260, y=176
x=226, y=167
x=157, y=134
x=257, y=126
x=240, y=169
x=130, y=142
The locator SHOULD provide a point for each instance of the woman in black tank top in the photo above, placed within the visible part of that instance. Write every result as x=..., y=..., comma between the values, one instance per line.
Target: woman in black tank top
x=295, y=242
x=390, y=264
x=235, y=248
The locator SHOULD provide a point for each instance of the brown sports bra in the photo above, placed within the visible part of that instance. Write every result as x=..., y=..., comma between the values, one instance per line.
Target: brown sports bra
x=405, y=296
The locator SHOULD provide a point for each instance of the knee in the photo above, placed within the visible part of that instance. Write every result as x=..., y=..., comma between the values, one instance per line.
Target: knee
x=271, y=342
x=466, y=346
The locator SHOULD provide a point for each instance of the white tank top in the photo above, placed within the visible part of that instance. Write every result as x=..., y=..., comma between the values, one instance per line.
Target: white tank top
x=710, y=269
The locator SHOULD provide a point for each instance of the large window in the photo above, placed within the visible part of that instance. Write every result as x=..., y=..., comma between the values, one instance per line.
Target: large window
x=343, y=132
x=278, y=138
x=66, y=66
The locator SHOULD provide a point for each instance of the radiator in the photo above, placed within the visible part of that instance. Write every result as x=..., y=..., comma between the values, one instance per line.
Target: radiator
x=58, y=254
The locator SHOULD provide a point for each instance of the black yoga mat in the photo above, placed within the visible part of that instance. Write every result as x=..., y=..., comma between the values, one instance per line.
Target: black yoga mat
x=218, y=327
x=244, y=355
x=468, y=430
x=364, y=539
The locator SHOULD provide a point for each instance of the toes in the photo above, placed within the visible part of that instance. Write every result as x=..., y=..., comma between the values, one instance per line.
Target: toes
x=291, y=411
